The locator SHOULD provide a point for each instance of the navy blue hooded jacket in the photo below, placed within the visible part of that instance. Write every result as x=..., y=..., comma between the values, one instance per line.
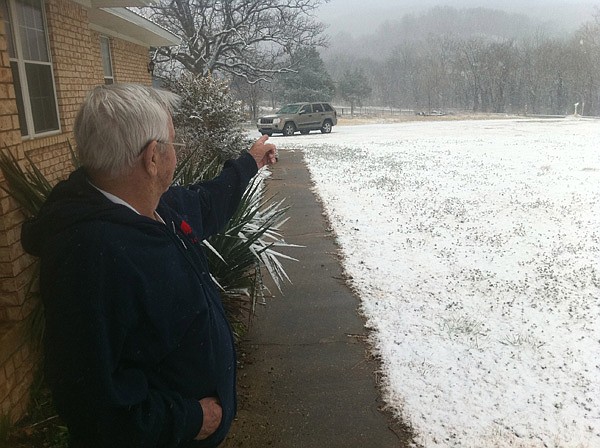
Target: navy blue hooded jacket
x=136, y=334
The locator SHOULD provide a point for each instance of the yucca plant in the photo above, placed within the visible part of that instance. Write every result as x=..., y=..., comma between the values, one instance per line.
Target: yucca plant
x=248, y=243
x=30, y=188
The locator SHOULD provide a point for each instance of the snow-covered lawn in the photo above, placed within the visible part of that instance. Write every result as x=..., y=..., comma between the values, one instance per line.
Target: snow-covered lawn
x=475, y=249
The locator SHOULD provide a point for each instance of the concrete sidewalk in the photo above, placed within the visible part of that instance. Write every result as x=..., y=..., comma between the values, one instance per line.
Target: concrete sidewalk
x=306, y=379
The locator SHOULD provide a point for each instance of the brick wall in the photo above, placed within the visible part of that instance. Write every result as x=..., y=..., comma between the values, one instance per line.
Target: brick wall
x=130, y=61
x=17, y=360
x=77, y=66
x=75, y=57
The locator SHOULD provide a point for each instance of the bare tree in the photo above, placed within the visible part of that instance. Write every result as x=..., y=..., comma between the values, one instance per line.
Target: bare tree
x=244, y=38
x=406, y=59
x=250, y=95
x=498, y=68
x=531, y=83
x=437, y=60
x=470, y=63
x=585, y=52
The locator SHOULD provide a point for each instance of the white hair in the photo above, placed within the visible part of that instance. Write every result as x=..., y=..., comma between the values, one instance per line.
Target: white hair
x=116, y=121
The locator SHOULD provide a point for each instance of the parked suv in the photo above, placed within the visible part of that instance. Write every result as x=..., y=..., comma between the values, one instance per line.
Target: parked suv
x=303, y=117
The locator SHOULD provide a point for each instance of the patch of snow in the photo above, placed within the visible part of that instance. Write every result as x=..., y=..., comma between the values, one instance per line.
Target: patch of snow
x=474, y=247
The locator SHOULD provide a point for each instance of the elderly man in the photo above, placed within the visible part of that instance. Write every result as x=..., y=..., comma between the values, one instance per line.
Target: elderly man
x=138, y=351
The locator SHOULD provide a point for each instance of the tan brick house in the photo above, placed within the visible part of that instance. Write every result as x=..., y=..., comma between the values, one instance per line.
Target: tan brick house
x=51, y=53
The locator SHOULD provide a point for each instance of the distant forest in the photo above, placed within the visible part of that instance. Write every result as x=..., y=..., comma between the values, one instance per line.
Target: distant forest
x=479, y=60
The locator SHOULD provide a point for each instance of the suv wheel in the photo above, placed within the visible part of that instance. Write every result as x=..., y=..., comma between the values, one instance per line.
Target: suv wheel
x=326, y=128
x=289, y=129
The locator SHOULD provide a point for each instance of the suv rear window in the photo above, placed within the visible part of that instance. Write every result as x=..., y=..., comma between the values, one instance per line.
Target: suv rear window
x=327, y=107
x=317, y=107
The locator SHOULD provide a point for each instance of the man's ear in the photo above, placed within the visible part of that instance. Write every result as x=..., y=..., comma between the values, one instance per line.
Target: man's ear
x=150, y=158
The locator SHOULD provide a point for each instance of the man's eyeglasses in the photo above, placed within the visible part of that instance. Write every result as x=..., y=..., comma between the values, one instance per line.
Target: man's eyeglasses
x=178, y=144
x=181, y=145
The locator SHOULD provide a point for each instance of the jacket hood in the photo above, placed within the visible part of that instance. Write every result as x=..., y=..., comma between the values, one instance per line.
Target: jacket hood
x=72, y=201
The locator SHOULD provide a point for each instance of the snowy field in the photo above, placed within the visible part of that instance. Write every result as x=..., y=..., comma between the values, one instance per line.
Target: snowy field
x=475, y=249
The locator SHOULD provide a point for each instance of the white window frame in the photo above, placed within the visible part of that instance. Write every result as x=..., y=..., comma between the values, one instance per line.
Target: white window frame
x=22, y=73
x=107, y=79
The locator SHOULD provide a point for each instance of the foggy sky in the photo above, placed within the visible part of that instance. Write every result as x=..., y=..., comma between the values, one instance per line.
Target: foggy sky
x=359, y=17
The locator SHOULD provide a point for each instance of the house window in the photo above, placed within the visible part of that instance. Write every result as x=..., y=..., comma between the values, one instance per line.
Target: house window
x=31, y=66
x=106, y=60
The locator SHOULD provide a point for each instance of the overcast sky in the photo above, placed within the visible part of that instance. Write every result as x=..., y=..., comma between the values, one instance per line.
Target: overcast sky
x=359, y=17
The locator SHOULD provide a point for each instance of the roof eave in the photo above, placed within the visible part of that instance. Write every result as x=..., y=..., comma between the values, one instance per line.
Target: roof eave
x=127, y=25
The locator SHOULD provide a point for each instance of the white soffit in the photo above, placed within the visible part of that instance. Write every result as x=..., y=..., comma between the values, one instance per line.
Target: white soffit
x=120, y=3
x=127, y=25
x=113, y=3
